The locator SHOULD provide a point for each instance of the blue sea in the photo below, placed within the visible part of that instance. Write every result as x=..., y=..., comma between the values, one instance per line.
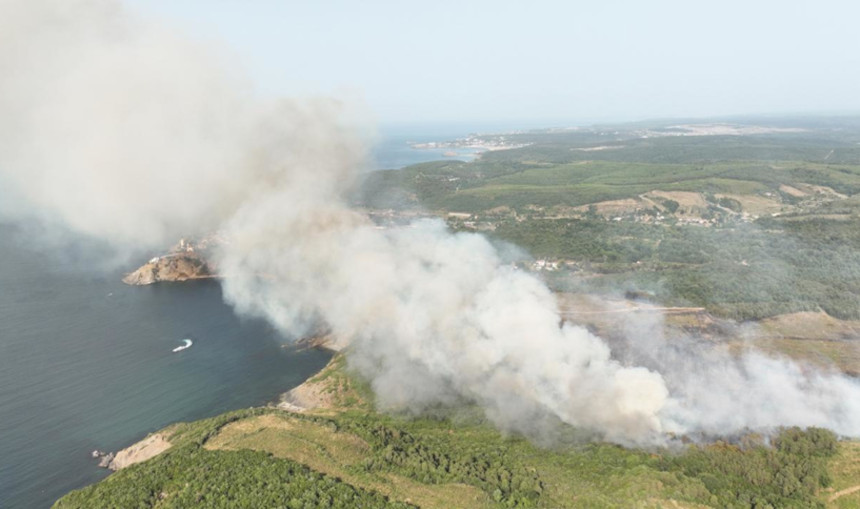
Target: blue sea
x=394, y=149
x=86, y=362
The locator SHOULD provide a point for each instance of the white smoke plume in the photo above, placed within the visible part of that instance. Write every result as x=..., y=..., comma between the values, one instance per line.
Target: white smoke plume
x=123, y=130
x=716, y=392
x=435, y=318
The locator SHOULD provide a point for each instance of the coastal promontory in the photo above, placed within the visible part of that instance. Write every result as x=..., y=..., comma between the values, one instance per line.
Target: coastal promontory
x=184, y=262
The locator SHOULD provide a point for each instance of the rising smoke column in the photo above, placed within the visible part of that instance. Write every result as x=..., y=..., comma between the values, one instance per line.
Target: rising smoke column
x=435, y=318
x=118, y=128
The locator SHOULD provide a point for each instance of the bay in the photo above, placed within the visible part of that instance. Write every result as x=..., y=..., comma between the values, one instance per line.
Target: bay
x=86, y=363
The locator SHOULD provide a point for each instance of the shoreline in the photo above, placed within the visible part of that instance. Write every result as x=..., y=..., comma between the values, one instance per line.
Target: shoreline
x=299, y=399
x=308, y=395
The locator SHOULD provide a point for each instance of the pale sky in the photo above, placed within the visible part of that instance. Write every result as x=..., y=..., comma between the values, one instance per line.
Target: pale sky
x=502, y=61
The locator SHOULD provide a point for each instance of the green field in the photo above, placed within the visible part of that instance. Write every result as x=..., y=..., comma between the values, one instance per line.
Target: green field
x=770, y=227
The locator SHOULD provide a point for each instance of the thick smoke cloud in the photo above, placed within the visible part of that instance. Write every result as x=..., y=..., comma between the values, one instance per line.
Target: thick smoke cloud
x=112, y=125
x=120, y=129
x=718, y=393
x=435, y=318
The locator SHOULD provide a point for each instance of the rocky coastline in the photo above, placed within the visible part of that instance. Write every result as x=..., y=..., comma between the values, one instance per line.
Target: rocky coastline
x=307, y=396
x=185, y=261
x=149, y=447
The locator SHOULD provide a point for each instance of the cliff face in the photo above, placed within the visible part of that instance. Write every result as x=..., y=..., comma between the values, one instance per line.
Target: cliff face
x=172, y=267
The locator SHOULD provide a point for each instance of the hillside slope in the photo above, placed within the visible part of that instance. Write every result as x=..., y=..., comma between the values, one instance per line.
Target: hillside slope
x=346, y=454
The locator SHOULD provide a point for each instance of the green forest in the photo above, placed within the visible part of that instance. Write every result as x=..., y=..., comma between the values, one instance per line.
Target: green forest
x=512, y=472
x=775, y=228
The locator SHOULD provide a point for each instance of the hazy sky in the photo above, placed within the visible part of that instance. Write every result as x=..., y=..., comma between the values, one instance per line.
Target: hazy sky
x=543, y=60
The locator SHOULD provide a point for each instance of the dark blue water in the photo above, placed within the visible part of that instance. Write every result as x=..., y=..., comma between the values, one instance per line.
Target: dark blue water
x=86, y=363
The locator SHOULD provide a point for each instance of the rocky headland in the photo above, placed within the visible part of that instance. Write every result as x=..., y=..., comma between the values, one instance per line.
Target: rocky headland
x=172, y=267
x=185, y=261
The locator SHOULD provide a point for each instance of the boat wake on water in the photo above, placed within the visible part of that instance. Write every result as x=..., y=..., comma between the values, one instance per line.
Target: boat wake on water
x=187, y=345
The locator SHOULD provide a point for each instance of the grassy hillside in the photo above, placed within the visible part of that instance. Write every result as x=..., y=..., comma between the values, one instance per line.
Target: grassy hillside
x=358, y=458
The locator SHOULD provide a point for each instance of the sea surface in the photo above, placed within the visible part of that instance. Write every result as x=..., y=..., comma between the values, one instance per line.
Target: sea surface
x=394, y=151
x=86, y=362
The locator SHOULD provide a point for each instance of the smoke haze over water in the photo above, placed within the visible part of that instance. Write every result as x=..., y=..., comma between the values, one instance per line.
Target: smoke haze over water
x=117, y=128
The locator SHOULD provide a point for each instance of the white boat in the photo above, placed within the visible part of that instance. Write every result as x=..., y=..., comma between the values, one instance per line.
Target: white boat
x=187, y=345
